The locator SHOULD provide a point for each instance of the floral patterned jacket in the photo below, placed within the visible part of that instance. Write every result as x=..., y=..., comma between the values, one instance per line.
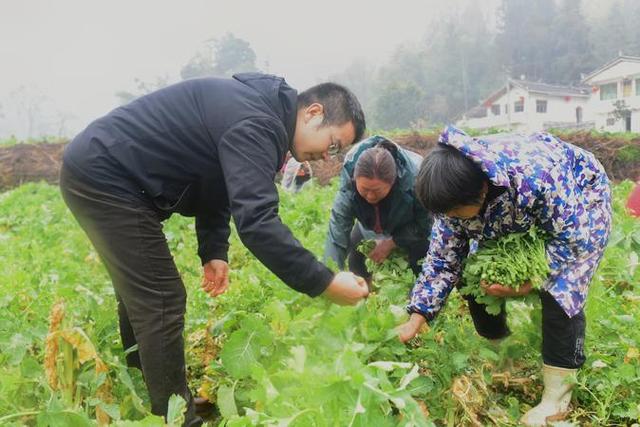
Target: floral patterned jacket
x=557, y=186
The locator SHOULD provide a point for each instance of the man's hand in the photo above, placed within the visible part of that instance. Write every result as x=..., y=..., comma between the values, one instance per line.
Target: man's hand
x=382, y=250
x=410, y=329
x=215, y=280
x=346, y=289
x=497, y=290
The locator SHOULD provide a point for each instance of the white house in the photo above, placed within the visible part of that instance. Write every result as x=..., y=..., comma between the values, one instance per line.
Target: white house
x=525, y=106
x=617, y=82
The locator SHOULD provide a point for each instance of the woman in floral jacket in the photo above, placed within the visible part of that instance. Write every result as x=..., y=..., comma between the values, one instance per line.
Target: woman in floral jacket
x=481, y=189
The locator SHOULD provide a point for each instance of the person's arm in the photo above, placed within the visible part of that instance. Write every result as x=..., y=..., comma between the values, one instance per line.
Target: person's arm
x=421, y=221
x=440, y=273
x=249, y=156
x=340, y=224
x=289, y=174
x=418, y=228
x=213, y=231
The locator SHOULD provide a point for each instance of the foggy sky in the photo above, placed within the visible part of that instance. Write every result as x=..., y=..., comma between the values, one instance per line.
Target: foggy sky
x=76, y=54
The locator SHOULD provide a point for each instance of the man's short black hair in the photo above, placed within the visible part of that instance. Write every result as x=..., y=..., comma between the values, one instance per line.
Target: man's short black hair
x=447, y=180
x=340, y=106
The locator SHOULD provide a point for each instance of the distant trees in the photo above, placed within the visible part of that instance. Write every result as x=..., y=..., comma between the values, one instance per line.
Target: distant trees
x=222, y=57
x=525, y=36
x=462, y=58
x=399, y=105
x=572, y=45
x=142, y=88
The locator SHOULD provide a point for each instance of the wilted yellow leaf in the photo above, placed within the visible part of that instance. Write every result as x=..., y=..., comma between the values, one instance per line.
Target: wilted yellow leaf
x=81, y=343
x=50, y=355
x=56, y=316
x=632, y=353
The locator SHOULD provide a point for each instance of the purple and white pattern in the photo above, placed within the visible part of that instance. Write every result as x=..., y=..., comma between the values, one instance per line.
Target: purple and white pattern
x=555, y=185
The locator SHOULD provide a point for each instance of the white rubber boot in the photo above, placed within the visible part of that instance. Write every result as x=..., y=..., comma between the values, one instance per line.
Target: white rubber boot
x=554, y=405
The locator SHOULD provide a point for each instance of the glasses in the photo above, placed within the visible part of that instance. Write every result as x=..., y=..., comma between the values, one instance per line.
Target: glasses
x=333, y=149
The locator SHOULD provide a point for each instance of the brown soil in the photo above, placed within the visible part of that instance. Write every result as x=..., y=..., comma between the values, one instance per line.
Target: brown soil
x=609, y=149
x=22, y=163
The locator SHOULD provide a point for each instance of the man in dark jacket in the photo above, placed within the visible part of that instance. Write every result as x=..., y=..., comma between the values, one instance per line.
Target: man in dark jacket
x=208, y=148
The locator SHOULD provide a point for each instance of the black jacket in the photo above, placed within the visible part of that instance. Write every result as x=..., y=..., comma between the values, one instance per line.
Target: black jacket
x=207, y=148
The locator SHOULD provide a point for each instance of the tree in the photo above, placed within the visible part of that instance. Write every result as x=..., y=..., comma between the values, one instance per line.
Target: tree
x=222, y=58
x=453, y=67
x=359, y=77
x=633, y=18
x=28, y=105
x=621, y=111
x=233, y=55
x=461, y=65
x=617, y=32
x=525, y=40
x=200, y=65
x=399, y=105
x=142, y=88
x=572, y=49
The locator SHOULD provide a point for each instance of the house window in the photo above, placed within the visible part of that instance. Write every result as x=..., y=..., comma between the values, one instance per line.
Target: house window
x=541, y=105
x=518, y=106
x=579, y=115
x=608, y=91
x=506, y=108
x=626, y=87
x=638, y=87
x=611, y=121
x=495, y=109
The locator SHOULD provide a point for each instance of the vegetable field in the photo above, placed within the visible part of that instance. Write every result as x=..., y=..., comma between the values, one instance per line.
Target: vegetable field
x=270, y=356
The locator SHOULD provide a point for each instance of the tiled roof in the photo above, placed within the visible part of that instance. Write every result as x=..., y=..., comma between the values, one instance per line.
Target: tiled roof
x=610, y=64
x=550, y=89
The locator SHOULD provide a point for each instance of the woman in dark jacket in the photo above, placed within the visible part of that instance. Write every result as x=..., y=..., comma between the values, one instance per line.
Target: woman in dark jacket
x=376, y=192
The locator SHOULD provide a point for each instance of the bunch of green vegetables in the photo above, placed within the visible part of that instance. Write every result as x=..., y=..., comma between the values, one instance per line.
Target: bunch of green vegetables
x=394, y=270
x=510, y=261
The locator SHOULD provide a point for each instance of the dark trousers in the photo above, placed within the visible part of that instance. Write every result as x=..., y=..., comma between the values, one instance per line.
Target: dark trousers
x=562, y=336
x=356, y=258
x=127, y=234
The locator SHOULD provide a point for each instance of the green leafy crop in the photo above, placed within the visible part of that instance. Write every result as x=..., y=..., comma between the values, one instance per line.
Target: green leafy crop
x=267, y=355
x=509, y=261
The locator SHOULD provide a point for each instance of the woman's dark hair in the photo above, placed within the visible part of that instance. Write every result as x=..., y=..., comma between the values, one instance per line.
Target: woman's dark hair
x=376, y=162
x=340, y=106
x=447, y=180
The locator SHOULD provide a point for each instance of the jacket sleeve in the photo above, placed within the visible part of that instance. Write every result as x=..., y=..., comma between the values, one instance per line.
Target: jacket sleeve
x=442, y=268
x=249, y=157
x=289, y=174
x=213, y=235
x=340, y=223
x=416, y=230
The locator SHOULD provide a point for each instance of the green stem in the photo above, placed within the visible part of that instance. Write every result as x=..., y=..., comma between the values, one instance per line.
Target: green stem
x=68, y=372
x=17, y=415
